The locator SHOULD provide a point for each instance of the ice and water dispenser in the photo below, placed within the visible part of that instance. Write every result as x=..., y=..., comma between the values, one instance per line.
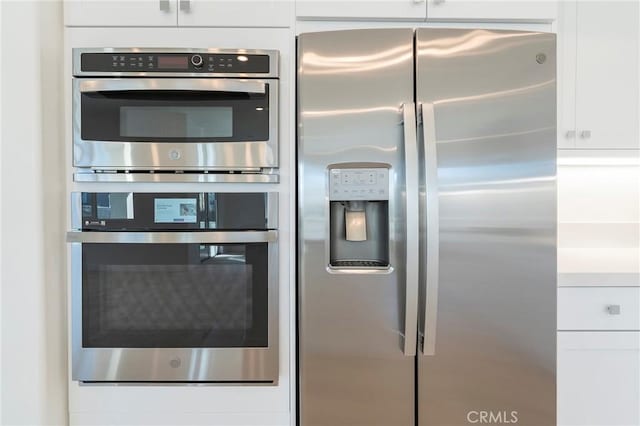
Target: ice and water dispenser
x=359, y=216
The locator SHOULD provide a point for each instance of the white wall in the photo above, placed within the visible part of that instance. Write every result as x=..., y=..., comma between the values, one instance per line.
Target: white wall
x=31, y=166
x=599, y=216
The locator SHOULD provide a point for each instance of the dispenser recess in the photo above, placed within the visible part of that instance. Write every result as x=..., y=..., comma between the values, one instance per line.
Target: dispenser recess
x=359, y=217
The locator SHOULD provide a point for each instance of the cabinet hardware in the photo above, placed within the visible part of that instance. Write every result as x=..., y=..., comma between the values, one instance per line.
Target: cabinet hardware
x=165, y=5
x=613, y=309
x=185, y=5
x=585, y=134
x=570, y=134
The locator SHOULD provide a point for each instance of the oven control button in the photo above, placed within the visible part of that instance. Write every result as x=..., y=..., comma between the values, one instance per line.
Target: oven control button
x=196, y=60
x=175, y=154
x=175, y=362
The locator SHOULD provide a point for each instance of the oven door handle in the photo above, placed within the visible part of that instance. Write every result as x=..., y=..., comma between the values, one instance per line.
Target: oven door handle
x=211, y=237
x=187, y=84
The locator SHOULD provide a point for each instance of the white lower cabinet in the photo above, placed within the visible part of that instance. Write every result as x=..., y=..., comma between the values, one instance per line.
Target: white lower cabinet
x=599, y=308
x=599, y=378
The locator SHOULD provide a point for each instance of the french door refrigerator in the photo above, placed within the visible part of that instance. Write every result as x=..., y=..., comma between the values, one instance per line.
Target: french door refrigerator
x=427, y=227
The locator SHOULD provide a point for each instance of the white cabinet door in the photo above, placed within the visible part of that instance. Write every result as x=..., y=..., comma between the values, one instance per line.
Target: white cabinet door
x=360, y=9
x=120, y=13
x=235, y=13
x=599, y=378
x=566, y=57
x=607, y=74
x=525, y=10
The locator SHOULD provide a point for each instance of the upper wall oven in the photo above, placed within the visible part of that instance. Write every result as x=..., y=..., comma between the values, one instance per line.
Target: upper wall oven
x=137, y=112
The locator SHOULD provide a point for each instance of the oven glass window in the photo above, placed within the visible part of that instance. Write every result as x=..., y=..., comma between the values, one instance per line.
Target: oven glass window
x=176, y=122
x=175, y=295
x=174, y=116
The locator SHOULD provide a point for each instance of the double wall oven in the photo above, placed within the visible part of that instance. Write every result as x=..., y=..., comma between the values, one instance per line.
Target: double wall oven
x=174, y=287
x=174, y=115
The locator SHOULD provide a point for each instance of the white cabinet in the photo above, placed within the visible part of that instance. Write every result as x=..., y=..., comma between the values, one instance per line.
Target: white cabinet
x=599, y=47
x=235, y=13
x=171, y=13
x=419, y=10
x=599, y=308
x=505, y=10
x=358, y=9
x=599, y=378
x=121, y=13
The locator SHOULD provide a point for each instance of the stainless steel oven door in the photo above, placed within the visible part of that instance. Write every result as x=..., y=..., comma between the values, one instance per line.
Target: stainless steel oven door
x=176, y=124
x=174, y=306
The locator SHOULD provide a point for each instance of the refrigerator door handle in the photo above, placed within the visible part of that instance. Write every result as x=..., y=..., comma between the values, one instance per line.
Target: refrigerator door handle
x=430, y=164
x=411, y=226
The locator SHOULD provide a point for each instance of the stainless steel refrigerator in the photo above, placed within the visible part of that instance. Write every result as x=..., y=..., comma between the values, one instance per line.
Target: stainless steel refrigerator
x=426, y=227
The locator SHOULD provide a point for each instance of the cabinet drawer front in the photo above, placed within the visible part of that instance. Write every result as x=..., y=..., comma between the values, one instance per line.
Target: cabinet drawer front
x=599, y=308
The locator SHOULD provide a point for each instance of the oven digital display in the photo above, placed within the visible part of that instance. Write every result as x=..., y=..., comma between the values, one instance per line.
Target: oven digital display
x=173, y=62
x=175, y=210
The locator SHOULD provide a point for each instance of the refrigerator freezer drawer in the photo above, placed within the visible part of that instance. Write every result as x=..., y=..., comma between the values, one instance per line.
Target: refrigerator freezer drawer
x=599, y=308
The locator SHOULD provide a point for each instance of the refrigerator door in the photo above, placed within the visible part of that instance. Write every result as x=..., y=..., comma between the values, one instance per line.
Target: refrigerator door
x=355, y=108
x=487, y=104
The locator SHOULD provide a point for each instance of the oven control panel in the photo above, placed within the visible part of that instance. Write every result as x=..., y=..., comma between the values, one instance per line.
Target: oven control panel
x=196, y=62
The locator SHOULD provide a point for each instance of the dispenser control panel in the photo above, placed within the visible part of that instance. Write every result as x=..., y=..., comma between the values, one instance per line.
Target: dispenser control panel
x=359, y=184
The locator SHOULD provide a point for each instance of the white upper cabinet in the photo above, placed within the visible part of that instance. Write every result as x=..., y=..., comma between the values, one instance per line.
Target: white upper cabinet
x=359, y=9
x=121, y=13
x=171, y=13
x=235, y=13
x=599, y=104
x=420, y=10
x=503, y=10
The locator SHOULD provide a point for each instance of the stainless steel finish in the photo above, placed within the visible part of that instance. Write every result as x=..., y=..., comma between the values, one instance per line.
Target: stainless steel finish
x=203, y=237
x=429, y=231
x=91, y=176
x=209, y=84
x=352, y=369
x=273, y=62
x=494, y=106
x=76, y=210
x=272, y=210
x=221, y=365
x=613, y=309
x=185, y=6
x=165, y=5
x=411, y=225
x=109, y=155
x=585, y=134
x=570, y=134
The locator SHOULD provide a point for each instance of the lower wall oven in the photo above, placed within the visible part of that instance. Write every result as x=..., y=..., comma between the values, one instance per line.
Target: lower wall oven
x=174, y=287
